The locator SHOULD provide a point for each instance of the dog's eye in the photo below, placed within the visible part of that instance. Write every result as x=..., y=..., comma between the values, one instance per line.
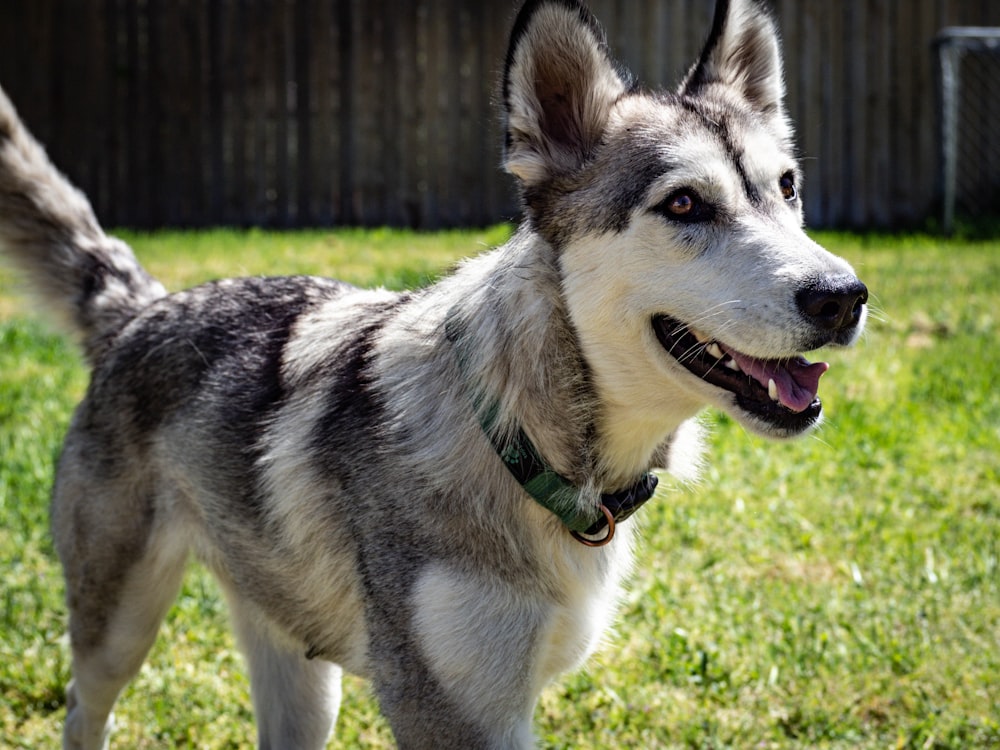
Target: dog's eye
x=685, y=205
x=681, y=204
x=787, y=185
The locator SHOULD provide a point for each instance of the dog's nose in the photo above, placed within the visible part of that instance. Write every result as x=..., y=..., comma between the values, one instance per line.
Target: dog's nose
x=834, y=303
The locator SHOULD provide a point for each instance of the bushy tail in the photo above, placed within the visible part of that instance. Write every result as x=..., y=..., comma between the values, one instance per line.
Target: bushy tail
x=93, y=282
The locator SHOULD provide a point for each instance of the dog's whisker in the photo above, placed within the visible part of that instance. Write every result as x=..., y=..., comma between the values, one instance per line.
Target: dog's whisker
x=690, y=353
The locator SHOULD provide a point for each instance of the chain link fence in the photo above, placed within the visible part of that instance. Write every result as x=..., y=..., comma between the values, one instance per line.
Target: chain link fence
x=969, y=74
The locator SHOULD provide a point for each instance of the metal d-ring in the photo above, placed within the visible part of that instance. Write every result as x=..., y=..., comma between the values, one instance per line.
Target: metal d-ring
x=603, y=540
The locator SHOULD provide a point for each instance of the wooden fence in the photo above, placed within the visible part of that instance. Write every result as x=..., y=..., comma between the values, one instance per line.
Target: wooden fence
x=324, y=112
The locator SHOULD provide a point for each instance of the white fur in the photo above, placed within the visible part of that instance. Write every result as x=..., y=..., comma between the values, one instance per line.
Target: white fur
x=740, y=289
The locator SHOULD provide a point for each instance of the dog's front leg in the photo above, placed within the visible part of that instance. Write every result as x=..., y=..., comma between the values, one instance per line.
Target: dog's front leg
x=462, y=672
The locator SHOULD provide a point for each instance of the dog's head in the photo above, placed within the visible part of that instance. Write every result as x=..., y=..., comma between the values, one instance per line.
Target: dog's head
x=677, y=218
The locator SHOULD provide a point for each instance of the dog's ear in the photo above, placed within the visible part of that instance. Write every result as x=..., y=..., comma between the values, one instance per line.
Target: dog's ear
x=559, y=86
x=743, y=54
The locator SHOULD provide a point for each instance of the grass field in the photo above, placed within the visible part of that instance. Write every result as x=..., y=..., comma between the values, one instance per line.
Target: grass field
x=840, y=591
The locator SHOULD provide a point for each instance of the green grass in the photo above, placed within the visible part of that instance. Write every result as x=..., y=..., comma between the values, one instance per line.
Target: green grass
x=840, y=591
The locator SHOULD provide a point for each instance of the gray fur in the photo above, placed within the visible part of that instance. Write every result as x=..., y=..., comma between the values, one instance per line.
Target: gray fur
x=318, y=448
x=92, y=282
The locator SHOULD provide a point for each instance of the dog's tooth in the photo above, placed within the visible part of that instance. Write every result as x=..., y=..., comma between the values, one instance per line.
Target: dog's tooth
x=702, y=338
x=772, y=389
x=715, y=350
x=732, y=364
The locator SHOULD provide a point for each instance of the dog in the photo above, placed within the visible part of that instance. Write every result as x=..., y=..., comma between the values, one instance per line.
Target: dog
x=431, y=488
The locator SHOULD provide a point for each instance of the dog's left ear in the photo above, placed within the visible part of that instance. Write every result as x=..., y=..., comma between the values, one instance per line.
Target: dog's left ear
x=559, y=86
x=743, y=54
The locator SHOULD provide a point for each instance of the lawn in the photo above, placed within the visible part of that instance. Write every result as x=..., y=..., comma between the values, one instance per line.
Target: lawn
x=839, y=591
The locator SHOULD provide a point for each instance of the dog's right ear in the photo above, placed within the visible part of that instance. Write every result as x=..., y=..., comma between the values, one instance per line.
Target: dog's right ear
x=559, y=86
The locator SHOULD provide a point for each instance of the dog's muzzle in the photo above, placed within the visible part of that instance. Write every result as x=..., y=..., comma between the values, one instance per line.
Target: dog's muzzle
x=780, y=392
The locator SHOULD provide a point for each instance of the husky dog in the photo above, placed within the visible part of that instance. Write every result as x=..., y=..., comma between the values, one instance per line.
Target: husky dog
x=430, y=488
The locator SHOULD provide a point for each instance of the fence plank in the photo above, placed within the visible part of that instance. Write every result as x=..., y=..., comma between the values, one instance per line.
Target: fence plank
x=832, y=135
x=878, y=147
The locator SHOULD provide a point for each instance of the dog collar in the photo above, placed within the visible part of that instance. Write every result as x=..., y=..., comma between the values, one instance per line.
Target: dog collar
x=557, y=494
x=544, y=484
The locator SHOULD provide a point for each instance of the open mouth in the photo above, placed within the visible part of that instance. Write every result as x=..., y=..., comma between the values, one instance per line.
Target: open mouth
x=782, y=392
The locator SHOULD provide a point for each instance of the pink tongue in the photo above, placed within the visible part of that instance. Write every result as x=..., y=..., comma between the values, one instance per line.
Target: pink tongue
x=797, y=380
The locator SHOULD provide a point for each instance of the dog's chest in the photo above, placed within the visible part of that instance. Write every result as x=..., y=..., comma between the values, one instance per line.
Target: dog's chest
x=574, y=627
x=570, y=634
x=490, y=643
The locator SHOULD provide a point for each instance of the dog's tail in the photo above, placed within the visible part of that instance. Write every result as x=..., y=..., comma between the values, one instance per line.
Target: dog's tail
x=92, y=282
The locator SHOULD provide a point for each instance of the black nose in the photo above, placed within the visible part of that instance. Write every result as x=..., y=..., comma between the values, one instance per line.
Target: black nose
x=834, y=303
